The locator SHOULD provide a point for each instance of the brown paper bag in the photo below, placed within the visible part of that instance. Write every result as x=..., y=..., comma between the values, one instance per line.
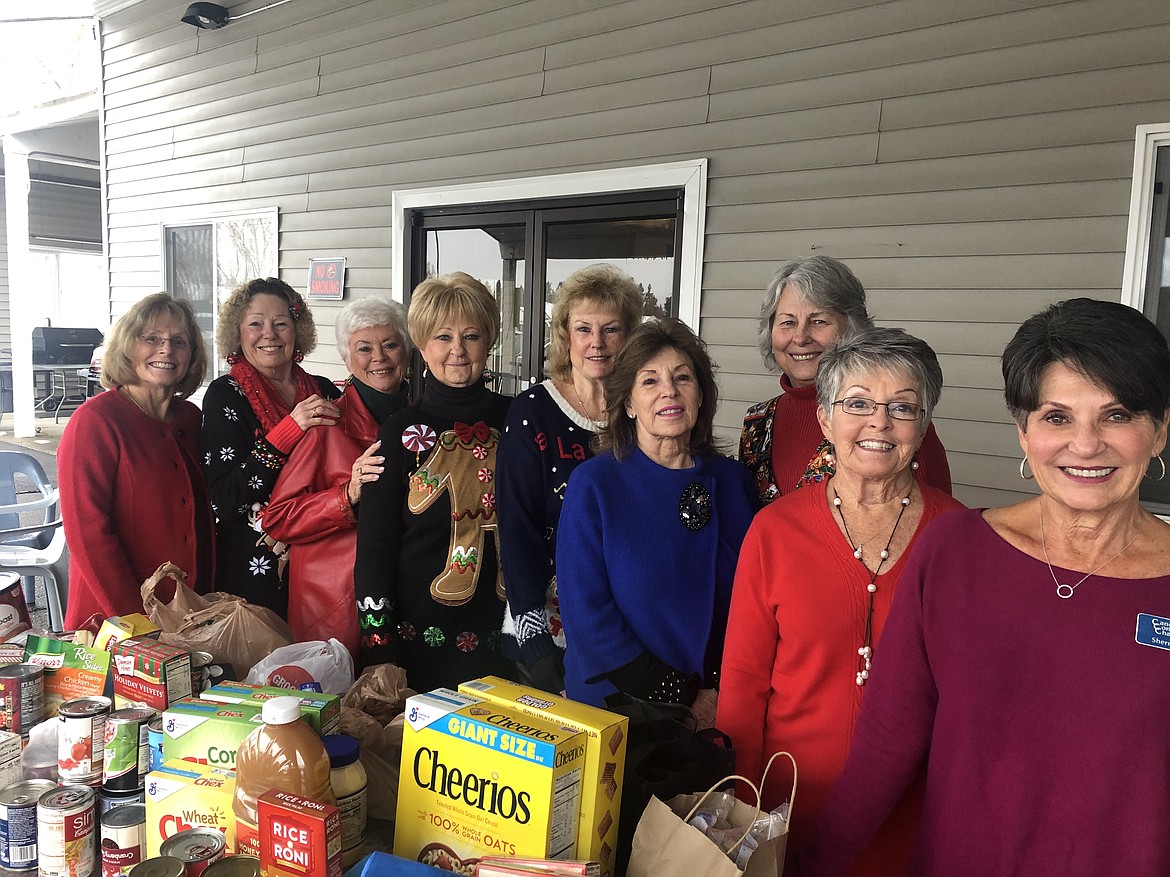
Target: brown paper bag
x=666, y=846
x=225, y=626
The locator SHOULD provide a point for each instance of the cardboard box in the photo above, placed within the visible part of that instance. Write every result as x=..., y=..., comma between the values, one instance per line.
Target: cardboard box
x=150, y=673
x=71, y=670
x=298, y=837
x=120, y=627
x=182, y=795
x=322, y=711
x=480, y=779
x=605, y=757
x=11, y=769
x=207, y=733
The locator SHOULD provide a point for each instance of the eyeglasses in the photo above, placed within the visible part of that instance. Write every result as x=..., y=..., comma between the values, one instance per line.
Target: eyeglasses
x=861, y=407
x=177, y=342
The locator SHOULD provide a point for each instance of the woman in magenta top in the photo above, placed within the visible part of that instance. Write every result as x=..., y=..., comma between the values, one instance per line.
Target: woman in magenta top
x=808, y=304
x=1026, y=661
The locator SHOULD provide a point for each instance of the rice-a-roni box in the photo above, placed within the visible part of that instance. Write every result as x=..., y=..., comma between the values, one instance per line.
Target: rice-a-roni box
x=605, y=757
x=481, y=779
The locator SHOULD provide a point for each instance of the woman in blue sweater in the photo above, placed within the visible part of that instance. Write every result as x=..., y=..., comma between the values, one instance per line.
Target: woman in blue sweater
x=650, y=531
x=548, y=434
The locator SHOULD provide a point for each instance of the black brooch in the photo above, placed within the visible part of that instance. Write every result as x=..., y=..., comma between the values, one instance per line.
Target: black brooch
x=694, y=506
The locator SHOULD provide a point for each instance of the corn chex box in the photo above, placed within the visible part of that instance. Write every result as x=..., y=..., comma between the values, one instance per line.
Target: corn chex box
x=481, y=779
x=605, y=757
x=207, y=733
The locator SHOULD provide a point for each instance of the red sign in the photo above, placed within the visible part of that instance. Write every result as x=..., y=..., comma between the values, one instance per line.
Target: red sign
x=327, y=278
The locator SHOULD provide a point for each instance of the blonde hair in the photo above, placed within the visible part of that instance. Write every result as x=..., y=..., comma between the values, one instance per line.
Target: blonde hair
x=602, y=285
x=437, y=299
x=231, y=312
x=118, y=362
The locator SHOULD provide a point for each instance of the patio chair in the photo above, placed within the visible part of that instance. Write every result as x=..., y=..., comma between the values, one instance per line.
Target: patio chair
x=32, y=540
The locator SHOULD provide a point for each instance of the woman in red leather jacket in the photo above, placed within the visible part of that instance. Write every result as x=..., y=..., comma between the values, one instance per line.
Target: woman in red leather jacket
x=315, y=502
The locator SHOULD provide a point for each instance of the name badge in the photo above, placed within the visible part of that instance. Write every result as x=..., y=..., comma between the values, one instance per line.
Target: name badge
x=1153, y=630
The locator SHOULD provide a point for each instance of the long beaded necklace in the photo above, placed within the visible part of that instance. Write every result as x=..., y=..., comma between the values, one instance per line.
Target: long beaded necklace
x=865, y=653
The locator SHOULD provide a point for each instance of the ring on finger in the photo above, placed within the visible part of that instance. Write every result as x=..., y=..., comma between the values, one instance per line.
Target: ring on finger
x=360, y=472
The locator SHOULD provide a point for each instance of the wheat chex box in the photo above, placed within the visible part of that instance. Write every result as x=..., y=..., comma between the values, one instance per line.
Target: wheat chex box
x=478, y=778
x=605, y=757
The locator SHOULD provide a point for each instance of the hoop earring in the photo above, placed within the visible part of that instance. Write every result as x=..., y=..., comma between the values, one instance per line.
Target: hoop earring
x=1023, y=463
x=1161, y=463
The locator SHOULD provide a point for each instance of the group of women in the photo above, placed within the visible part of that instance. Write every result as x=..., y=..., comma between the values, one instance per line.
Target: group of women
x=963, y=690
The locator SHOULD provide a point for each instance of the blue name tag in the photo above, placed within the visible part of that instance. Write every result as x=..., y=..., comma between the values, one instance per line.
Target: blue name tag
x=1153, y=630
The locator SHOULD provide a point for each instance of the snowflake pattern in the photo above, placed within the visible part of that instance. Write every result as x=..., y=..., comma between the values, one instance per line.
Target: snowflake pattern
x=255, y=483
x=259, y=565
x=227, y=453
x=230, y=413
x=207, y=458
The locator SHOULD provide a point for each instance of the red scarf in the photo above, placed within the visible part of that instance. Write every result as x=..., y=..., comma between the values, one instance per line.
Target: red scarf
x=264, y=398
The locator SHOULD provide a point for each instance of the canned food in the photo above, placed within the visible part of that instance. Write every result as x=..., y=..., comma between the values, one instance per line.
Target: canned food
x=18, y=824
x=66, y=843
x=197, y=847
x=154, y=742
x=81, y=739
x=22, y=697
x=160, y=866
x=234, y=866
x=201, y=672
x=107, y=800
x=126, y=749
x=123, y=839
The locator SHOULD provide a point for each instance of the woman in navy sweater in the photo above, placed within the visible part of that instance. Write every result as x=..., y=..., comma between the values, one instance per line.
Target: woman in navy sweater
x=548, y=434
x=651, y=531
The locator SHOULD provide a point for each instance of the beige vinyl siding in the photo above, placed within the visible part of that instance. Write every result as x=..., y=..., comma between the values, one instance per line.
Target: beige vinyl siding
x=5, y=316
x=970, y=160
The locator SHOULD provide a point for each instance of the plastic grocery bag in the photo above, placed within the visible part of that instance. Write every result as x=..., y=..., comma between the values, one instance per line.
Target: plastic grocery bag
x=227, y=627
x=329, y=664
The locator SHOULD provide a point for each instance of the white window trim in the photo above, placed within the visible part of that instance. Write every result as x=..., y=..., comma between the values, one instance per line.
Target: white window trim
x=1137, y=239
x=690, y=175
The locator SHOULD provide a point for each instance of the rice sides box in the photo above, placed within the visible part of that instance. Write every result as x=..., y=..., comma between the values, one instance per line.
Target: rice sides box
x=321, y=711
x=150, y=673
x=480, y=779
x=182, y=795
x=605, y=756
x=298, y=837
x=71, y=670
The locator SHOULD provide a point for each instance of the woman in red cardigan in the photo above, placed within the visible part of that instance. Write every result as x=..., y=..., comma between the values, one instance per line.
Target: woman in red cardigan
x=132, y=490
x=816, y=575
x=314, y=505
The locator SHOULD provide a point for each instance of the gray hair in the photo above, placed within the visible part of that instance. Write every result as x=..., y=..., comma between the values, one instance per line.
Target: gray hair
x=367, y=312
x=880, y=349
x=823, y=282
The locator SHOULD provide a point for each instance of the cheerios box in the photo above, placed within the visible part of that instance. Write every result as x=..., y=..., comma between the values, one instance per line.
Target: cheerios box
x=182, y=795
x=478, y=778
x=605, y=757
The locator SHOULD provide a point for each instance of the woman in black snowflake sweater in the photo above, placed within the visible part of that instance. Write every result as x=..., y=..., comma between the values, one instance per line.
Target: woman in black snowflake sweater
x=252, y=419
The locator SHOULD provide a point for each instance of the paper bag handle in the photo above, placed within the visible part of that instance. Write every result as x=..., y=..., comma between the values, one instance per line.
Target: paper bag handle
x=764, y=777
x=719, y=783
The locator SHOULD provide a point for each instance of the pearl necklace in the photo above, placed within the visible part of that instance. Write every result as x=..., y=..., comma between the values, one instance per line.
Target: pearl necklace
x=1063, y=589
x=865, y=653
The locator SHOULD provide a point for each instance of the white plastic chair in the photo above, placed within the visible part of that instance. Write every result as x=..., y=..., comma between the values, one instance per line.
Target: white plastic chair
x=36, y=549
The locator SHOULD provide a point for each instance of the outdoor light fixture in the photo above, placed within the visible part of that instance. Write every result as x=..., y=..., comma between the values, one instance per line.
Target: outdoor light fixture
x=212, y=16
x=209, y=16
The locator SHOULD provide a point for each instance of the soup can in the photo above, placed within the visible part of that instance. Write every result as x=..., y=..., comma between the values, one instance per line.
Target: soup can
x=66, y=836
x=81, y=739
x=154, y=743
x=22, y=697
x=201, y=672
x=234, y=866
x=18, y=824
x=123, y=839
x=107, y=800
x=197, y=847
x=126, y=749
x=160, y=866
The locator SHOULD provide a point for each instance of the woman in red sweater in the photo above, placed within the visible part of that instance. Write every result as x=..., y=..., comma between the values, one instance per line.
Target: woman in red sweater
x=132, y=490
x=808, y=304
x=816, y=575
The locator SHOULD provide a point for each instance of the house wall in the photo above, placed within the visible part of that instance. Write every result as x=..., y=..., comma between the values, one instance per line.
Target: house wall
x=971, y=161
x=5, y=320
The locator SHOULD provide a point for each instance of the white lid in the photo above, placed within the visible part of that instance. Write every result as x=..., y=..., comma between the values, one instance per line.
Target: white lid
x=281, y=710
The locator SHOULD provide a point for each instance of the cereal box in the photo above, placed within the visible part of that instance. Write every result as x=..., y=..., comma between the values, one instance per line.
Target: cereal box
x=208, y=733
x=150, y=673
x=321, y=711
x=605, y=757
x=482, y=779
x=71, y=670
x=298, y=837
x=181, y=795
x=120, y=627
